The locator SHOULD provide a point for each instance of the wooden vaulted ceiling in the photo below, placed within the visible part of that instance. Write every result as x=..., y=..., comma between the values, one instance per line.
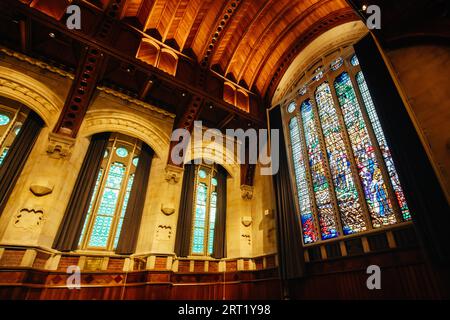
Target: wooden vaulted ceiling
x=245, y=41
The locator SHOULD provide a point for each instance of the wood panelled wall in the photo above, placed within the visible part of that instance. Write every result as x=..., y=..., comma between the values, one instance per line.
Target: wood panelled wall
x=405, y=274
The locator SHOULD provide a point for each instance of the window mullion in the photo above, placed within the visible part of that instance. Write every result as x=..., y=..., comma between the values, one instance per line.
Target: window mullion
x=351, y=156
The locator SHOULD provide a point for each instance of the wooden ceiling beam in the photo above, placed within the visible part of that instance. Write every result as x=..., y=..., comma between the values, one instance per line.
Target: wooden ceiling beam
x=300, y=18
x=92, y=41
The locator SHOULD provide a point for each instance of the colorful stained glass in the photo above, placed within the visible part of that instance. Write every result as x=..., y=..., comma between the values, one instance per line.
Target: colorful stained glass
x=124, y=209
x=384, y=148
x=212, y=221
x=306, y=215
x=135, y=161
x=4, y=119
x=354, y=60
x=327, y=221
x=352, y=216
x=107, y=208
x=214, y=182
x=122, y=152
x=17, y=129
x=291, y=107
x=202, y=174
x=3, y=155
x=302, y=91
x=336, y=64
x=318, y=74
x=201, y=197
x=375, y=190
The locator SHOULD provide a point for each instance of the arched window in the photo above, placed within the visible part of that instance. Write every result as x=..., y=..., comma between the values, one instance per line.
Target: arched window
x=11, y=120
x=345, y=177
x=205, y=205
x=109, y=200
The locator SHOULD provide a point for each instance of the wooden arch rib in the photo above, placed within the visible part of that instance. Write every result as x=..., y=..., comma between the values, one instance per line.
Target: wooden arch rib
x=297, y=28
x=266, y=30
x=330, y=21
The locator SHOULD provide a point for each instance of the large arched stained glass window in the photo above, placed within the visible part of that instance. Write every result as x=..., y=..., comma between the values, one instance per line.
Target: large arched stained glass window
x=11, y=120
x=109, y=200
x=345, y=177
x=205, y=204
x=344, y=185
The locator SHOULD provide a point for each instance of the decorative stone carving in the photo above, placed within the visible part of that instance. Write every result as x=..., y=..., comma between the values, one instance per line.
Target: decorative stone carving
x=163, y=232
x=246, y=192
x=247, y=238
x=246, y=221
x=167, y=209
x=59, y=146
x=29, y=219
x=40, y=190
x=173, y=173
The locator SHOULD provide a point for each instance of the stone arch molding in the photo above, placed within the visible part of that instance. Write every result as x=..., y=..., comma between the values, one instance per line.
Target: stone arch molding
x=97, y=121
x=32, y=93
x=210, y=151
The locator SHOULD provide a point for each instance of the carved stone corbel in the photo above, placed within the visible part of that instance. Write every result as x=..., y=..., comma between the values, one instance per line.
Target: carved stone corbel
x=59, y=146
x=173, y=173
x=246, y=192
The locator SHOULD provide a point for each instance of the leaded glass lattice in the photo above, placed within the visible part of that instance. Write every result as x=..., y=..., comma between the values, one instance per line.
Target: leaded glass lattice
x=200, y=218
x=3, y=155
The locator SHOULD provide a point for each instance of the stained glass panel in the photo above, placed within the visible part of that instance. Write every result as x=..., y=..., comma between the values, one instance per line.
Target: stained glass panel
x=306, y=216
x=202, y=174
x=384, y=148
x=212, y=221
x=4, y=119
x=336, y=64
x=3, y=155
x=291, y=107
x=375, y=190
x=354, y=60
x=124, y=208
x=352, y=216
x=302, y=91
x=108, y=203
x=122, y=152
x=327, y=221
x=200, y=218
x=91, y=203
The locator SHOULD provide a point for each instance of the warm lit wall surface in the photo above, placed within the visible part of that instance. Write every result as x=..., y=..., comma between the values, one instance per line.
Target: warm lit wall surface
x=25, y=242
x=422, y=71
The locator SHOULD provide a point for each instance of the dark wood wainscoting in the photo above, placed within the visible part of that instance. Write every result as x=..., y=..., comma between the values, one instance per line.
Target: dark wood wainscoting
x=42, y=285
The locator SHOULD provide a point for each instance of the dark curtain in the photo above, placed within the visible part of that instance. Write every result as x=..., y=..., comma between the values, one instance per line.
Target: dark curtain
x=290, y=249
x=220, y=248
x=70, y=229
x=426, y=200
x=17, y=156
x=135, y=206
x=183, y=237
